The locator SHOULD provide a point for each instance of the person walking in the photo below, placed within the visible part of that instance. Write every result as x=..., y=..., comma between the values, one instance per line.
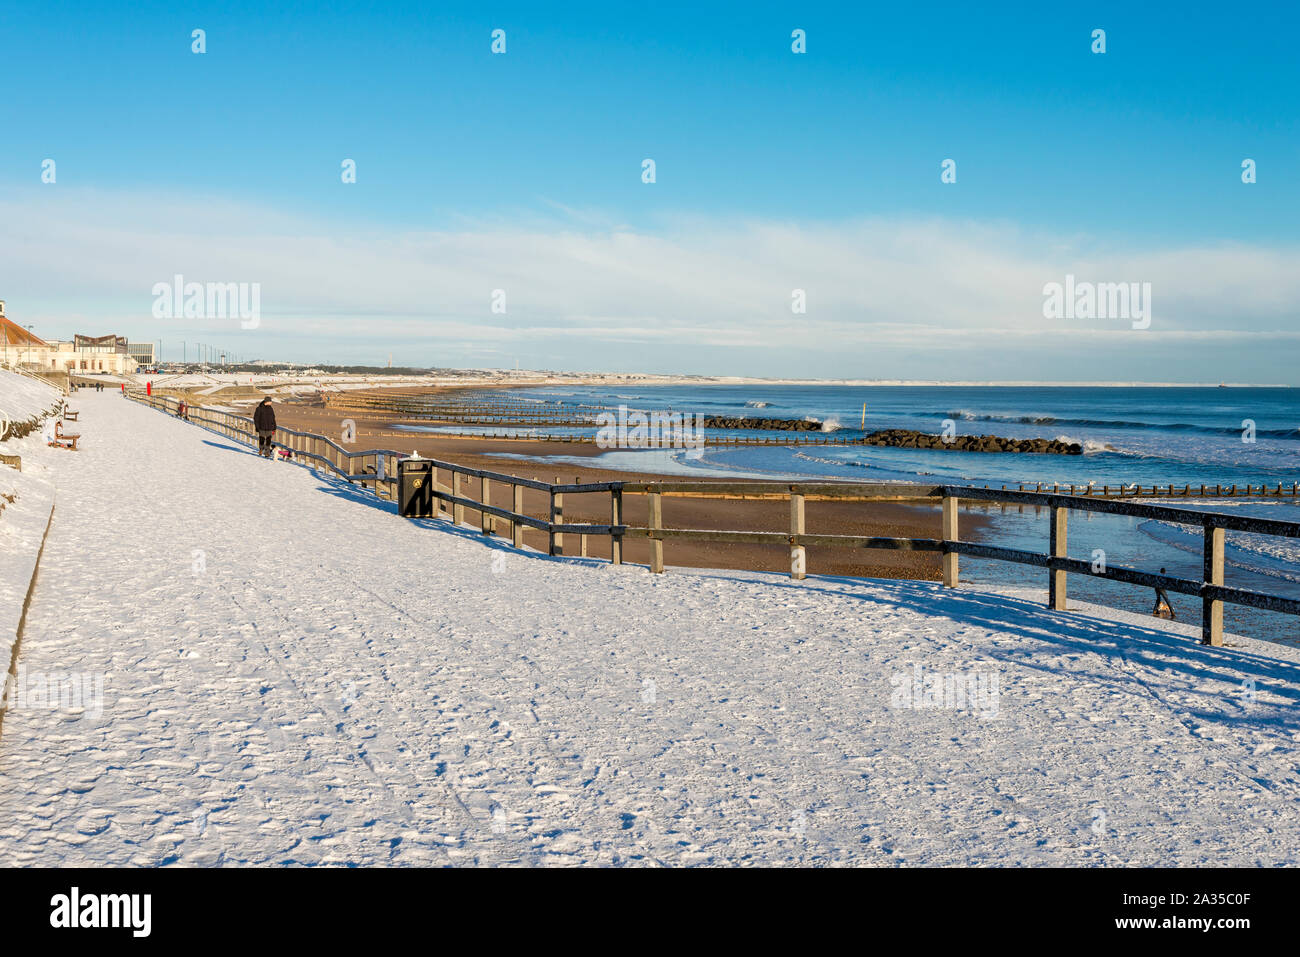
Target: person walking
x=264, y=422
x=1163, y=609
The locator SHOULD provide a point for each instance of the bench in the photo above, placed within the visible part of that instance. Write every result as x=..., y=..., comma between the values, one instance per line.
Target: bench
x=69, y=414
x=64, y=440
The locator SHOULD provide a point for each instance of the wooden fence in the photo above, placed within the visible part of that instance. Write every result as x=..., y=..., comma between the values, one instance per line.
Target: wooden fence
x=377, y=468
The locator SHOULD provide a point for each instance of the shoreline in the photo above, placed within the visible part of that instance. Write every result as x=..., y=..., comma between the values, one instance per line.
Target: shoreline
x=521, y=379
x=842, y=518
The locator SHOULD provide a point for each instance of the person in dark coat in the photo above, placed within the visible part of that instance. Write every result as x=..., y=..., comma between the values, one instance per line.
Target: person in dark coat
x=264, y=422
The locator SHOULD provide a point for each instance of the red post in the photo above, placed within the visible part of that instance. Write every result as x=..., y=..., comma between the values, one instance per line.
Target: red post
x=148, y=388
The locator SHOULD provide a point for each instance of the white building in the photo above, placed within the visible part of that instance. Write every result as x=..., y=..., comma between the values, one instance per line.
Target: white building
x=142, y=353
x=82, y=355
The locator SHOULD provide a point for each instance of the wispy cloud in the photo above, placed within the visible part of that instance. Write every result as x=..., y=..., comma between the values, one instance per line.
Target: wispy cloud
x=577, y=286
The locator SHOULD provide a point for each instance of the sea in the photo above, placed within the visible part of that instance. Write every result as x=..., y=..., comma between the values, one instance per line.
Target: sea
x=1130, y=435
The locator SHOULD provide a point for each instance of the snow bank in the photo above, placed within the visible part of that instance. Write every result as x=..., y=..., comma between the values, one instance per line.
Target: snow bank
x=291, y=673
x=23, y=399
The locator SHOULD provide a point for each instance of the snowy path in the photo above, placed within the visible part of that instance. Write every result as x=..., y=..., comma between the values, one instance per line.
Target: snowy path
x=293, y=674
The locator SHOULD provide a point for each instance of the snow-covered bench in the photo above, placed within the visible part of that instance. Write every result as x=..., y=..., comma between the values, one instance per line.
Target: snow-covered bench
x=64, y=440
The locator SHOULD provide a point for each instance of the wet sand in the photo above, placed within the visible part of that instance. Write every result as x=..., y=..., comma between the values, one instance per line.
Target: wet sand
x=837, y=518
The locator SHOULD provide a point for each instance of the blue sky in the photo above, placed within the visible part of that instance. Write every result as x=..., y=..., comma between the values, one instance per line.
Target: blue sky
x=1118, y=166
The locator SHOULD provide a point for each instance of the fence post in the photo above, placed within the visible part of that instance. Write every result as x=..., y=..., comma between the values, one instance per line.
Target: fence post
x=1055, y=576
x=457, y=510
x=1211, y=609
x=615, y=518
x=484, y=496
x=656, y=544
x=557, y=518
x=517, y=528
x=798, y=556
x=949, y=535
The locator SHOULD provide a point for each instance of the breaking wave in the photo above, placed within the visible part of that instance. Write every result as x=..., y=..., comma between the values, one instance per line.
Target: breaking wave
x=1261, y=554
x=830, y=424
x=966, y=415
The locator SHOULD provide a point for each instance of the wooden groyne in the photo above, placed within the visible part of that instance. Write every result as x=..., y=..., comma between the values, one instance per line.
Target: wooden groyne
x=506, y=413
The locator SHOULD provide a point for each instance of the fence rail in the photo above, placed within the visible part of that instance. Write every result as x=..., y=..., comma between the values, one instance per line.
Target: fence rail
x=377, y=468
x=18, y=369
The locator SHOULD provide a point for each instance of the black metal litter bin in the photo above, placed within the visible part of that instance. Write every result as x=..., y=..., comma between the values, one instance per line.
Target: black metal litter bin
x=415, y=488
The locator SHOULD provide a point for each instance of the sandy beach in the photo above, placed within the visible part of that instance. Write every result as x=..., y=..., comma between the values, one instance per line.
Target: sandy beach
x=847, y=518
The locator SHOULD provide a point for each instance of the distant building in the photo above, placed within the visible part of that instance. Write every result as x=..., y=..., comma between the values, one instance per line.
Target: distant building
x=18, y=345
x=142, y=353
x=84, y=354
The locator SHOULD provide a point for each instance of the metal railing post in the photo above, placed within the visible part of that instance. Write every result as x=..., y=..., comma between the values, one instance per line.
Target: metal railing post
x=517, y=528
x=615, y=518
x=798, y=556
x=1056, y=576
x=656, y=544
x=949, y=535
x=557, y=518
x=1212, y=609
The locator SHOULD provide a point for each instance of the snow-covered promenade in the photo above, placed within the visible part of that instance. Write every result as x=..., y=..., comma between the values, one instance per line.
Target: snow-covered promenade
x=294, y=674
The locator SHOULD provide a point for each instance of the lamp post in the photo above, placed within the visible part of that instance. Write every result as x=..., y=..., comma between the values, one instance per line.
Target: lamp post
x=29, y=345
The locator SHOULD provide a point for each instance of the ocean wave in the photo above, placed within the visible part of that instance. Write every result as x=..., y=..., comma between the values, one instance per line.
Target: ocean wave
x=822, y=460
x=756, y=404
x=967, y=415
x=1091, y=447
x=1261, y=554
x=830, y=424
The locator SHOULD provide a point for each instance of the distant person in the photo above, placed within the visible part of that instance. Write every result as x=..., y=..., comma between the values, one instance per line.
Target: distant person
x=1163, y=609
x=181, y=411
x=264, y=422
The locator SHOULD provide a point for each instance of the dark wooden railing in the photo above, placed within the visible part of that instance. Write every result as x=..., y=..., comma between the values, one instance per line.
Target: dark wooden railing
x=377, y=468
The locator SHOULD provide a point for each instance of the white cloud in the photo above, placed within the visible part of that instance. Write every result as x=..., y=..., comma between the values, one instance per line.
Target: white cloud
x=577, y=287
